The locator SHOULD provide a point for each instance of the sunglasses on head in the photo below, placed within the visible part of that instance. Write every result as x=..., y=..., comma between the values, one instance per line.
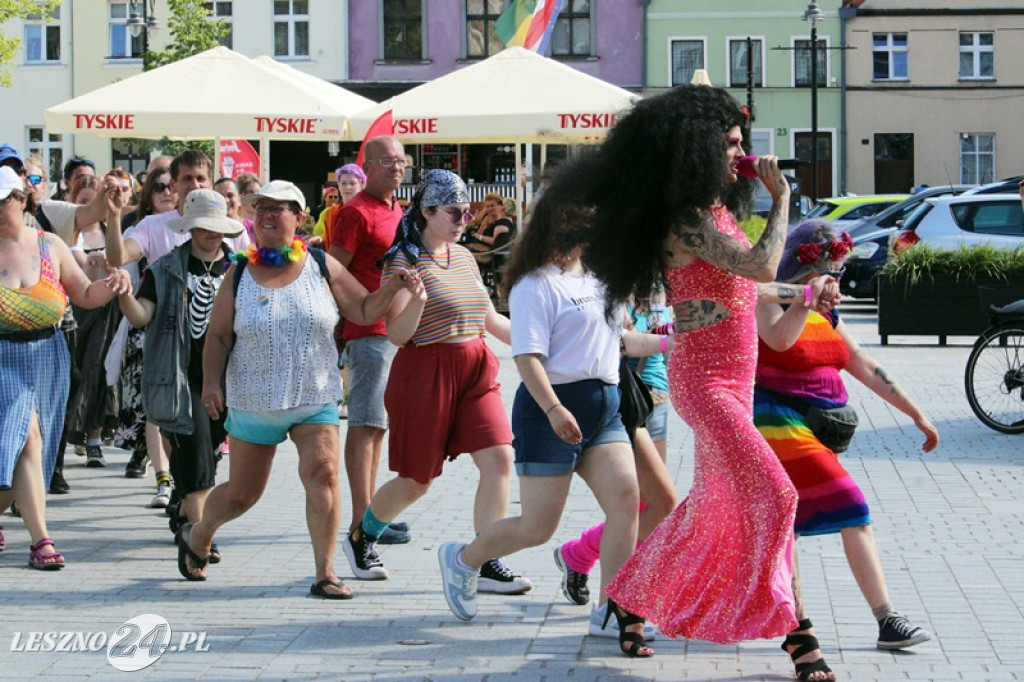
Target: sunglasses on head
x=161, y=187
x=76, y=162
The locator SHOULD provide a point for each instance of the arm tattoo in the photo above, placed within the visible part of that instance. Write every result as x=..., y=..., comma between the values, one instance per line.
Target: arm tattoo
x=698, y=313
x=881, y=374
x=778, y=293
x=729, y=253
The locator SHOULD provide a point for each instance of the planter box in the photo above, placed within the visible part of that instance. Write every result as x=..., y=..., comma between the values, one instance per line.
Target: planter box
x=941, y=307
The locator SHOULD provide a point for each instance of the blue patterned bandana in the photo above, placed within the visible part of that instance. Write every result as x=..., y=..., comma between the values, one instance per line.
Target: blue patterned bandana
x=438, y=188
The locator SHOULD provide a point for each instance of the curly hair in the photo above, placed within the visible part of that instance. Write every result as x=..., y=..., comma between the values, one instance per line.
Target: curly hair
x=661, y=166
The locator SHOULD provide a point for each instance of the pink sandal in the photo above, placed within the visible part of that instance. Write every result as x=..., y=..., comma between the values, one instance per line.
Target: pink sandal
x=45, y=562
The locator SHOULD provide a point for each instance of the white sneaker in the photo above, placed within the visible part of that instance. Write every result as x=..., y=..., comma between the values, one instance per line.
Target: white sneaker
x=162, y=497
x=459, y=583
x=597, y=622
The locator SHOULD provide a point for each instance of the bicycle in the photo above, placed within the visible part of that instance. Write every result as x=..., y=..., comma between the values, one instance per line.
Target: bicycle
x=994, y=376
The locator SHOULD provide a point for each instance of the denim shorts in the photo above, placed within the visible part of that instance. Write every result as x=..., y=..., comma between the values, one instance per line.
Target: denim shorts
x=369, y=364
x=271, y=428
x=657, y=421
x=539, y=450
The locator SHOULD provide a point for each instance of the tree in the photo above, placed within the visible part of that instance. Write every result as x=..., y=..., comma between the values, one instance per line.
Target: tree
x=192, y=31
x=18, y=9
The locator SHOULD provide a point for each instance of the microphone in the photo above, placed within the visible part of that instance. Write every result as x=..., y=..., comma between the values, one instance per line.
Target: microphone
x=746, y=165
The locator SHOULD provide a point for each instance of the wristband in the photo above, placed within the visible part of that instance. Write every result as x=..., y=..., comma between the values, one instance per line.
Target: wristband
x=808, y=296
x=667, y=329
x=548, y=411
x=664, y=344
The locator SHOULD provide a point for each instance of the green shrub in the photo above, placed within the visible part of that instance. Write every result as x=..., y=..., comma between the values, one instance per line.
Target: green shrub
x=753, y=226
x=923, y=262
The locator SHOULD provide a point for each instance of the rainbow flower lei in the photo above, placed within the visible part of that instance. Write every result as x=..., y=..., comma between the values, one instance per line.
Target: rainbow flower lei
x=274, y=258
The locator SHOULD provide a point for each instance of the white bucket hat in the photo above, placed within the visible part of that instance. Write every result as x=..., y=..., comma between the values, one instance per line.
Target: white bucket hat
x=9, y=181
x=278, y=190
x=207, y=209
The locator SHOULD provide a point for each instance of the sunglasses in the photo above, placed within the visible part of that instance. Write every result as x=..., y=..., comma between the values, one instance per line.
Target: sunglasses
x=77, y=161
x=34, y=180
x=9, y=197
x=457, y=214
x=161, y=187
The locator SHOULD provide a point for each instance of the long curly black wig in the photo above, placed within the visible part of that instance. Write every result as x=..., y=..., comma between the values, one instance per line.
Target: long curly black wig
x=662, y=165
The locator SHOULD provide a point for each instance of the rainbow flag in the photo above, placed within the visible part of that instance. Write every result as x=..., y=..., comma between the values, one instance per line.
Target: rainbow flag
x=528, y=23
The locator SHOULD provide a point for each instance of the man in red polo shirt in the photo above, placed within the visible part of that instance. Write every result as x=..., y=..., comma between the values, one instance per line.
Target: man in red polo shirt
x=361, y=231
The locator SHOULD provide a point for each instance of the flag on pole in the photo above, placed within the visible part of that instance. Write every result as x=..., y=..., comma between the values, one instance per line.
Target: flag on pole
x=528, y=23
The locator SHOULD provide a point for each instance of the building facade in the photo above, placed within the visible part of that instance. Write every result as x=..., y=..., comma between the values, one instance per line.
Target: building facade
x=934, y=93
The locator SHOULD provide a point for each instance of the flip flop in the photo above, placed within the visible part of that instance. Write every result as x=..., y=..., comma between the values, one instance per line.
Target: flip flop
x=185, y=552
x=317, y=590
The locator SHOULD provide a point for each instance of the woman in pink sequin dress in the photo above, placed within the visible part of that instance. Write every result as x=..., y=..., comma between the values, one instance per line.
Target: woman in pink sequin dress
x=719, y=567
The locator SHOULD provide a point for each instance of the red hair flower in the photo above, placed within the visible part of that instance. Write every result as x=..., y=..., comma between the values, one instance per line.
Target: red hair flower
x=808, y=254
x=839, y=248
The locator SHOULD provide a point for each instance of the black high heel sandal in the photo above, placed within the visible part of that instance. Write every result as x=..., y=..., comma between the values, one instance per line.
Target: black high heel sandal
x=805, y=644
x=635, y=640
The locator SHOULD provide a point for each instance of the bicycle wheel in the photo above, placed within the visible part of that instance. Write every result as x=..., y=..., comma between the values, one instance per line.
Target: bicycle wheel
x=994, y=378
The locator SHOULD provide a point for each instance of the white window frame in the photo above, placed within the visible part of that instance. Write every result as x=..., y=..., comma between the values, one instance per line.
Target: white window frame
x=228, y=19
x=122, y=25
x=292, y=20
x=977, y=154
x=50, y=142
x=43, y=24
x=729, y=40
x=703, y=40
x=891, y=50
x=976, y=49
x=825, y=77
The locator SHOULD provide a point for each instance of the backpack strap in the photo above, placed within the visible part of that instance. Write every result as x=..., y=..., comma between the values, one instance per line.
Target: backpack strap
x=318, y=255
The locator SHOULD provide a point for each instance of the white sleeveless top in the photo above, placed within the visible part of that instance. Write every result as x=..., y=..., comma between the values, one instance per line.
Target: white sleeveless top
x=284, y=354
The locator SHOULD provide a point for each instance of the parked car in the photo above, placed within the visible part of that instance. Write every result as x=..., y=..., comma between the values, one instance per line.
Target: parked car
x=871, y=240
x=949, y=222
x=800, y=204
x=848, y=209
x=1007, y=186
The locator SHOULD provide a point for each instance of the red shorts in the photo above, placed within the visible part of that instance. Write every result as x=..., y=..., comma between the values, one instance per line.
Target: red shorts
x=442, y=400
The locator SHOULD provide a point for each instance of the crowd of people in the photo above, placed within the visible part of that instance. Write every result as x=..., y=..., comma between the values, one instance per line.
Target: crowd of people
x=742, y=339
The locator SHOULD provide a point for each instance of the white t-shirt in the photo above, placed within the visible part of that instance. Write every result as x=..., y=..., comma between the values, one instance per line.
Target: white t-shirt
x=560, y=316
x=157, y=240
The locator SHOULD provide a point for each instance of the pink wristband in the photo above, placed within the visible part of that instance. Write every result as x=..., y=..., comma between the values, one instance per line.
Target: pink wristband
x=664, y=344
x=808, y=296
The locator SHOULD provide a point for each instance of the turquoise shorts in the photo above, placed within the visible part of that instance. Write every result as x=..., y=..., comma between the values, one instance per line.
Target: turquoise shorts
x=271, y=428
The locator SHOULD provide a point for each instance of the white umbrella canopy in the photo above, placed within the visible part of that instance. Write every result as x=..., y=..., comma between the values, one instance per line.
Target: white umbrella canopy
x=214, y=94
x=516, y=95
x=344, y=99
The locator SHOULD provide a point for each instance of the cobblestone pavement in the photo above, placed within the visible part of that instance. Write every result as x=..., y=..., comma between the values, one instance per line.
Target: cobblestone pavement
x=949, y=526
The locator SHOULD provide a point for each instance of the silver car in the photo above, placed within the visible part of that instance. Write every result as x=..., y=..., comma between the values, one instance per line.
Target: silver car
x=968, y=220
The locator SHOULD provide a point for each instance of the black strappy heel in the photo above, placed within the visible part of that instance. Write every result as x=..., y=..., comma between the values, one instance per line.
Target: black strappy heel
x=636, y=642
x=805, y=644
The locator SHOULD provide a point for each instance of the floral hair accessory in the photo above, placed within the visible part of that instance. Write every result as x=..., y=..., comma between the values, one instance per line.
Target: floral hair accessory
x=840, y=247
x=809, y=254
x=274, y=258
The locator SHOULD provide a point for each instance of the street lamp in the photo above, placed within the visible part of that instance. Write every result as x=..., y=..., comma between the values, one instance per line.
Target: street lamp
x=814, y=16
x=145, y=23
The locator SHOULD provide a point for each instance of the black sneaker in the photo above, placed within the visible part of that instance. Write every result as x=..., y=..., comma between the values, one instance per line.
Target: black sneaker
x=58, y=486
x=94, y=457
x=895, y=631
x=574, y=584
x=137, y=466
x=363, y=558
x=498, y=578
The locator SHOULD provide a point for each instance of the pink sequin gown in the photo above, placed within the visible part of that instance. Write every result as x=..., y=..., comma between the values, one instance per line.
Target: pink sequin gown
x=718, y=568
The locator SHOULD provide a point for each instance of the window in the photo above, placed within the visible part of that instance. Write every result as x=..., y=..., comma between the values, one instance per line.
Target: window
x=291, y=28
x=123, y=45
x=740, y=59
x=222, y=11
x=977, y=56
x=889, y=56
x=571, y=35
x=47, y=146
x=977, y=158
x=403, y=29
x=687, y=57
x=802, y=63
x=42, y=37
x=480, y=17
x=990, y=217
